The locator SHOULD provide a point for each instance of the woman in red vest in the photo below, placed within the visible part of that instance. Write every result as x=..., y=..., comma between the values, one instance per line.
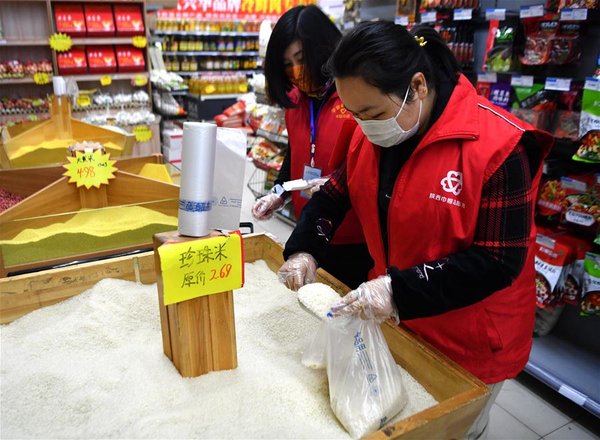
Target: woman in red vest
x=301, y=43
x=443, y=183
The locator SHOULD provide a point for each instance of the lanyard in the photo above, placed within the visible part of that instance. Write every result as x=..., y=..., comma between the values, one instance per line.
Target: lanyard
x=313, y=132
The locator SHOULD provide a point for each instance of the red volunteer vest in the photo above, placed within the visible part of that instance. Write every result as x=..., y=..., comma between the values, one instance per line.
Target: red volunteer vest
x=433, y=213
x=332, y=128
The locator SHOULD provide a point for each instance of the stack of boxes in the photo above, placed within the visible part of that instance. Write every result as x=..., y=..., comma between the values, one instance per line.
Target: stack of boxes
x=172, y=144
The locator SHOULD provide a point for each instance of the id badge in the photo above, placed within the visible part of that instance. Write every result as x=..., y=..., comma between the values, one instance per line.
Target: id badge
x=309, y=174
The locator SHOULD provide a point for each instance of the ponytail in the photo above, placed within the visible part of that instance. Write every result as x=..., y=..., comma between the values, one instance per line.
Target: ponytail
x=444, y=64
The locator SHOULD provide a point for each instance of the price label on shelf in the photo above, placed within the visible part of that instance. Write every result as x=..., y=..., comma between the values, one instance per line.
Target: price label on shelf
x=559, y=84
x=429, y=17
x=140, y=80
x=105, y=80
x=201, y=267
x=592, y=84
x=491, y=77
x=463, y=14
x=84, y=101
x=60, y=42
x=495, y=14
x=521, y=80
x=139, y=41
x=569, y=14
x=143, y=133
x=90, y=169
x=531, y=11
x=41, y=78
x=401, y=20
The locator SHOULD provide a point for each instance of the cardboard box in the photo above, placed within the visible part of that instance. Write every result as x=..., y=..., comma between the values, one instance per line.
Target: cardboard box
x=130, y=59
x=172, y=155
x=129, y=20
x=173, y=138
x=101, y=59
x=69, y=19
x=99, y=20
x=72, y=62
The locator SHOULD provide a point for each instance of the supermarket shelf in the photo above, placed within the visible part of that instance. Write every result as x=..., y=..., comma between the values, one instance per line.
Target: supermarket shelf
x=25, y=80
x=214, y=53
x=208, y=34
x=41, y=42
x=103, y=40
x=182, y=73
x=215, y=97
x=114, y=76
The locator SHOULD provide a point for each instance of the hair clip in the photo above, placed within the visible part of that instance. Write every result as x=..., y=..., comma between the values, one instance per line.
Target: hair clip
x=421, y=41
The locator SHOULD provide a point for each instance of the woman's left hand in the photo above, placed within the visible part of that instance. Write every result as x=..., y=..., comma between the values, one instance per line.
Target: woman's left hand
x=371, y=300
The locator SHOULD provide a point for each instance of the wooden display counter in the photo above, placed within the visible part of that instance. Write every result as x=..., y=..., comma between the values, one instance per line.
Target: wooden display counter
x=460, y=395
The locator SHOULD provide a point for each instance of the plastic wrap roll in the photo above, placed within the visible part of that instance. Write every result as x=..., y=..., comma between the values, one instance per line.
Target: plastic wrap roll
x=197, y=174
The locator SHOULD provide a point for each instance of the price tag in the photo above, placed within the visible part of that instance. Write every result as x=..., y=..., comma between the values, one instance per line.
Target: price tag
x=60, y=42
x=463, y=14
x=592, y=84
x=143, y=133
x=490, y=77
x=139, y=41
x=84, y=101
x=495, y=14
x=429, y=17
x=521, y=80
x=560, y=84
x=140, y=80
x=90, y=169
x=201, y=267
x=578, y=14
x=105, y=80
x=402, y=20
x=580, y=218
x=531, y=11
x=41, y=78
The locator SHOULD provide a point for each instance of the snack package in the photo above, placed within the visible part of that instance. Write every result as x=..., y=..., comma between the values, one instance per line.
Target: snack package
x=566, y=122
x=484, y=88
x=550, y=41
x=587, y=4
x=535, y=105
x=590, y=302
x=590, y=107
x=589, y=150
x=499, y=48
x=572, y=288
x=551, y=201
x=500, y=95
x=582, y=211
x=552, y=259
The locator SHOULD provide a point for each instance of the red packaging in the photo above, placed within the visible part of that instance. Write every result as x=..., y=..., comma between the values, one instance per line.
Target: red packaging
x=72, y=62
x=129, y=20
x=101, y=59
x=99, y=20
x=130, y=59
x=552, y=259
x=69, y=19
x=572, y=289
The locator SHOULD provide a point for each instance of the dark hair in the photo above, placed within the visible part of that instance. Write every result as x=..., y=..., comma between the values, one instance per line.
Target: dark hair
x=318, y=36
x=387, y=56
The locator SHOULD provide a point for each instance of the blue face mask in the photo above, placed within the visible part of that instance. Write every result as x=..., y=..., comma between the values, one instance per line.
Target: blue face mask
x=387, y=132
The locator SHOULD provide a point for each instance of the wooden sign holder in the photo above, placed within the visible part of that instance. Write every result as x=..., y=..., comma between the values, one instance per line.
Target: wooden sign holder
x=198, y=334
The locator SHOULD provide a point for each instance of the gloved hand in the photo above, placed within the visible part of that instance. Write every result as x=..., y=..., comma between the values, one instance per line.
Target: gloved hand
x=371, y=300
x=266, y=206
x=298, y=270
x=315, y=186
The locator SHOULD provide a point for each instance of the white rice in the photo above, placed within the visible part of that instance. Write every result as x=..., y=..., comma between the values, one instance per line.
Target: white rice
x=318, y=298
x=93, y=367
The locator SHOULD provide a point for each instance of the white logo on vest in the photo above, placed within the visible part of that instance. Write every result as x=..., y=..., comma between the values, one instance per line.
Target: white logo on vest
x=453, y=182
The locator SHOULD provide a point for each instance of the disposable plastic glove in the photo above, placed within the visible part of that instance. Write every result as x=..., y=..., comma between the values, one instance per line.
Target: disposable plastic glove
x=266, y=206
x=298, y=270
x=315, y=185
x=371, y=300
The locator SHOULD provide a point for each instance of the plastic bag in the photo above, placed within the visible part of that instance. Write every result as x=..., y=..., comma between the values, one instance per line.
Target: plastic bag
x=365, y=384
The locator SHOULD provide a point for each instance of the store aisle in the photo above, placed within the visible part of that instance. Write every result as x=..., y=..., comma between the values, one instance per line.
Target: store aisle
x=526, y=409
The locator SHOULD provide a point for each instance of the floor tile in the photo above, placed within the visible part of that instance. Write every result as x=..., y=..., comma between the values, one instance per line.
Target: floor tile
x=529, y=409
x=571, y=431
x=503, y=426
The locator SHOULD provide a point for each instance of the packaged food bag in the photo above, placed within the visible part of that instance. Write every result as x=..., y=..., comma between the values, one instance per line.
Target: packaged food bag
x=365, y=384
x=590, y=303
x=551, y=266
x=590, y=107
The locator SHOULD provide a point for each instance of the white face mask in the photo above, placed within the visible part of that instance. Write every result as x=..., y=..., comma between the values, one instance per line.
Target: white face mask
x=387, y=132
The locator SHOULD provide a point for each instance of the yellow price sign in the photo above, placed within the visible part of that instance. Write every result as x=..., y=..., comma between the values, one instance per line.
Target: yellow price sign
x=84, y=101
x=142, y=133
x=201, y=267
x=139, y=41
x=90, y=169
x=105, y=80
x=41, y=78
x=140, y=80
x=60, y=42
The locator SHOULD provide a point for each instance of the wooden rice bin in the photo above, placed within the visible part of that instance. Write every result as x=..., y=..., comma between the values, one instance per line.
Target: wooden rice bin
x=461, y=396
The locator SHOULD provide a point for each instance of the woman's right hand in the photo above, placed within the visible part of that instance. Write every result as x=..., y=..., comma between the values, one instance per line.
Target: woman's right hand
x=298, y=270
x=266, y=206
